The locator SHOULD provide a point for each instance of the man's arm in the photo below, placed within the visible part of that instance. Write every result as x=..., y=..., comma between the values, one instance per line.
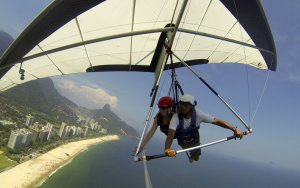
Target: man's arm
x=170, y=152
x=170, y=137
x=226, y=125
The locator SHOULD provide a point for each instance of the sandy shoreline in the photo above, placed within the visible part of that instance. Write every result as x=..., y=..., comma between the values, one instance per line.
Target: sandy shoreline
x=31, y=173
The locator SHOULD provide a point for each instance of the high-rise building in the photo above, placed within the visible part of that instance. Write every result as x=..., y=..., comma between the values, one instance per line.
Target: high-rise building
x=78, y=131
x=49, y=127
x=82, y=123
x=29, y=120
x=67, y=131
x=27, y=137
x=35, y=133
x=92, y=126
x=62, y=130
x=74, y=129
x=71, y=132
x=15, y=140
x=87, y=121
x=43, y=135
x=86, y=130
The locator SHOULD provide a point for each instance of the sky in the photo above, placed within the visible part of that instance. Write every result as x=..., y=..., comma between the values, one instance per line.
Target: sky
x=275, y=139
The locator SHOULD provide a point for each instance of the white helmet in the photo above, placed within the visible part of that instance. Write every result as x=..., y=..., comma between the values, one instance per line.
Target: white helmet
x=188, y=98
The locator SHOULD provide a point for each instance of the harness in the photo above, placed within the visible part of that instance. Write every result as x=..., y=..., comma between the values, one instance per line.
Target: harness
x=190, y=135
x=164, y=127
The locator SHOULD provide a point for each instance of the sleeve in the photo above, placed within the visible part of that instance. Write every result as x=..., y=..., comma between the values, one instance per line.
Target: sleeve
x=174, y=122
x=206, y=118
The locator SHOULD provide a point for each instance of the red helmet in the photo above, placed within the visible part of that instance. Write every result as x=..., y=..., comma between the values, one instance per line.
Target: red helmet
x=165, y=102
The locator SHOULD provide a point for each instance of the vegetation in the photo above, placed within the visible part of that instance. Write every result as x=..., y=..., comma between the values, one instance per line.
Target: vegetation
x=5, y=162
x=4, y=135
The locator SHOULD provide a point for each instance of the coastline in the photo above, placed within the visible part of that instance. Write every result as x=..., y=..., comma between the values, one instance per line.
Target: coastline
x=34, y=172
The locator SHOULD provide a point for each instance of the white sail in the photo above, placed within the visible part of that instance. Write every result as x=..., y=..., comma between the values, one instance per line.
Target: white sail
x=76, y=36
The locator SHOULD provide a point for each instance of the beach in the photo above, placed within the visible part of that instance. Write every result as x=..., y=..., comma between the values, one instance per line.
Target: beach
x=31, y=173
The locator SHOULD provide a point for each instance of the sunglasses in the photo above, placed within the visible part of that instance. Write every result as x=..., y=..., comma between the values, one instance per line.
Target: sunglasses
x=184, y=103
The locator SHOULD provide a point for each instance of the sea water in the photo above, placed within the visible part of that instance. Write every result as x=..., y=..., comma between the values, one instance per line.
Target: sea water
x=111, y=164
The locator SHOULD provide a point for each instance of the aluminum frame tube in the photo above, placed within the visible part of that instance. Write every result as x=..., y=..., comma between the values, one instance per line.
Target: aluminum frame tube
x=100, y=39
x=224, y=39
x=147, y=158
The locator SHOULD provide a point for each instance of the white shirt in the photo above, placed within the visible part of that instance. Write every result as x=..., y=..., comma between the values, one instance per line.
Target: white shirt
x=201, y=117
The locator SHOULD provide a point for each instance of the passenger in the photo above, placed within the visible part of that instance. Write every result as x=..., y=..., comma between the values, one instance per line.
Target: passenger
x=161, y=120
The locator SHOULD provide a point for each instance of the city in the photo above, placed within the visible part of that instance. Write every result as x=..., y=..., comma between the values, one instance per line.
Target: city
x=35, y=132
x=31, y=139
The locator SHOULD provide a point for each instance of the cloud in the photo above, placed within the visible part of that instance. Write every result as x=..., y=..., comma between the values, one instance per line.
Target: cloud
x=85, y=95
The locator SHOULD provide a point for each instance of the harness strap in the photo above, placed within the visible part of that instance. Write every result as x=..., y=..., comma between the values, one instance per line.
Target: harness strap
x=160, y=122
x=193, y=121
x=190, y=135
x=175, y=86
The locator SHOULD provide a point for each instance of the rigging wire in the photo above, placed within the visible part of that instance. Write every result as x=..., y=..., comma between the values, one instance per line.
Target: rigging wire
x=81, y=36
x=53, y=63
x=174, y=12
x=262, y=93
x=267, y=77
x=248, y=89
x=245, y=59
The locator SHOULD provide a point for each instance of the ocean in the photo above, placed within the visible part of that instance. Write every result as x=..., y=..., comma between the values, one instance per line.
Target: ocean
x=111, y=165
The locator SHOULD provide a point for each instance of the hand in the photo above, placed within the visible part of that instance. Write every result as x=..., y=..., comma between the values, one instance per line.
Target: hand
x=238, y=133
x=134, y=150
x=170, y=152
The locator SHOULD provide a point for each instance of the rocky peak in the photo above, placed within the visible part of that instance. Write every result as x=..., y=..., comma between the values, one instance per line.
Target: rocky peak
x=106, y=108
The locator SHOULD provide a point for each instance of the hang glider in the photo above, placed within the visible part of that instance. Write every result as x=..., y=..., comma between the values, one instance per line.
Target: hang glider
x=75, y=36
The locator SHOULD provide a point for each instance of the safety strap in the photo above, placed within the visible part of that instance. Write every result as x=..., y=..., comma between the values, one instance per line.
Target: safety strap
x=176, y=87
x=193, y=120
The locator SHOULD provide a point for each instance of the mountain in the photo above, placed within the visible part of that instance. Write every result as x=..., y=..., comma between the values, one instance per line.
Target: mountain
x=5, y=41
x=41, y=96
x=46, y=103
x=112, y=122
